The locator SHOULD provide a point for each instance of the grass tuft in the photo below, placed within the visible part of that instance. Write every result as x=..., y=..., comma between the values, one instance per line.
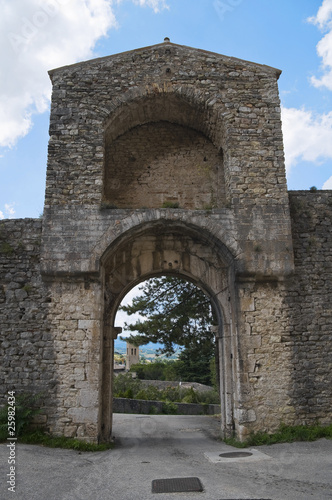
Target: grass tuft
x=170, y=204
x=6, y=249
x=40, y=438
x=285, y=434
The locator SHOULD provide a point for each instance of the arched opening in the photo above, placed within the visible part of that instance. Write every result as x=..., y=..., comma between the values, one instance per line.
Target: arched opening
x=172, y=323
x=169, y=247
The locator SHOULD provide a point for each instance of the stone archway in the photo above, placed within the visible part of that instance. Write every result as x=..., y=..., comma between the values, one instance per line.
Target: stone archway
x=224, y=114
x=208, y=128
x=169, y=247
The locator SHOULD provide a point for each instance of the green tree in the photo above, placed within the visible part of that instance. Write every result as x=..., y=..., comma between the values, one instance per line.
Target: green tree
x=194, y=363
x=176, y=313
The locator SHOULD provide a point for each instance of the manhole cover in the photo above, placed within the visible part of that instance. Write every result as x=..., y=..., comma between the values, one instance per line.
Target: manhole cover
x=236, y=454
x=176, y=485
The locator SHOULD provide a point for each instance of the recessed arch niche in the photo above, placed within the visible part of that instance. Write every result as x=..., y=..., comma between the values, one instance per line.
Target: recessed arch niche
x=160, y=150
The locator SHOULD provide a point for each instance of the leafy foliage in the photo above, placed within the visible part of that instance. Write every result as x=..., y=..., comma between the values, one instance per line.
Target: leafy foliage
x=39, y=437
x=158, y=370
x=192, y=366
x=127, y=387
x=6, y=249
x=177, y=312
x=285, y=434
x=170, y=204
x=26, y=407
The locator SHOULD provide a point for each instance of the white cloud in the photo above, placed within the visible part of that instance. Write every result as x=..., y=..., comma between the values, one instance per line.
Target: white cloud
x=8, y=212
x=328, y=184
x=323, y=20
x=122, y=317
x=306, y=136
x=323, y=15
x=156, y=5
x=39, y=35
x=9, y=209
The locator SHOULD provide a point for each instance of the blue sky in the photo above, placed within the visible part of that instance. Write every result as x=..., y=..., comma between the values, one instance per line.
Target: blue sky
x=37, y=35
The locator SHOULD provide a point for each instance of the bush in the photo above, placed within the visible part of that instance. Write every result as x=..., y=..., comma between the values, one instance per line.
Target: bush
x=170, y=408
x=201, y=370
x=209, y=397
x=26, y=407
x=125, y=386
x=191, y=396
x=153, y=410
x=149, y=393
x=286, y=434
x=172, y=394
x=159, y=370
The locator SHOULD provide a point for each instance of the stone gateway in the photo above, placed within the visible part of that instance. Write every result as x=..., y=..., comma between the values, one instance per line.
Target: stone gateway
x=169, y=160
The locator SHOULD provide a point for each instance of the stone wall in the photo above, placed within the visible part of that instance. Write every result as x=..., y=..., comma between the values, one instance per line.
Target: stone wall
x=309, y=306
x=47, y=343
x=140, y=406
x=164, y=384
x=26, y=341
x=265, y=360
x=287, y=327
x=74, y=317
x=50, y=344
x=156, y=163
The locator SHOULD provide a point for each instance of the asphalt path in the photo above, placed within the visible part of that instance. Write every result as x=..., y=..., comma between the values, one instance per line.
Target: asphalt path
x=153, y=447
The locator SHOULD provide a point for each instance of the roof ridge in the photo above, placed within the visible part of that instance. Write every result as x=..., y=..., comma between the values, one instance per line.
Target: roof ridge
x=167, y=42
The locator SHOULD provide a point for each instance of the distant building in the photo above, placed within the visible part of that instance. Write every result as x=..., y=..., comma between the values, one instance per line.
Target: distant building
x=119, y=368
x=132, y=355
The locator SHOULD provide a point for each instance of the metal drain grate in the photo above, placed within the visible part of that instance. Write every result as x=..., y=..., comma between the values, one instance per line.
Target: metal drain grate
x=236, y=454
x=176, y=485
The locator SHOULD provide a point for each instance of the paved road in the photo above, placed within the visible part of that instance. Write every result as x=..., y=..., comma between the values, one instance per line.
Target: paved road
x=160, y=447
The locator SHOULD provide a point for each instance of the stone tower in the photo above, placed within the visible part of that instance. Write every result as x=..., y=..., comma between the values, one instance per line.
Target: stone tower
x=132, y=357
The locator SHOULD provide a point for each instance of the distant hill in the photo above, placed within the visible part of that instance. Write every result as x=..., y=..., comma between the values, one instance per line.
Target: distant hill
x=148, y=350
x=121, y=346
